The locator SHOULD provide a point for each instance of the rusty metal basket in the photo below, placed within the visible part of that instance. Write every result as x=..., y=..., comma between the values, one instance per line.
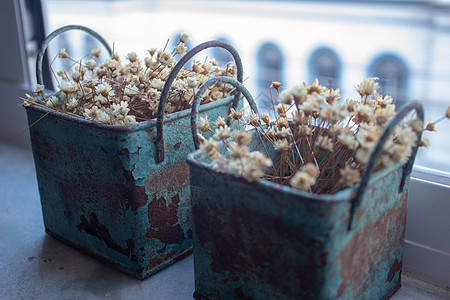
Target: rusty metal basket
x=120, y=193
x=262, y=240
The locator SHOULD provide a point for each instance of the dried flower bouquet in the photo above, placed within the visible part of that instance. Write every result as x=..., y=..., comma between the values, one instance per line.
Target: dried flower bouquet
x=123, y=92
x=316, y=142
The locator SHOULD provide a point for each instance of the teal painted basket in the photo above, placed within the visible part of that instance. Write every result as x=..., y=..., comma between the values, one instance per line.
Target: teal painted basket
x=262, y=240
x=120, y=193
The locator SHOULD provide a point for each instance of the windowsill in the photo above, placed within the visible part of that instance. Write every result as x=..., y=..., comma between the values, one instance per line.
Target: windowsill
x=36, y=265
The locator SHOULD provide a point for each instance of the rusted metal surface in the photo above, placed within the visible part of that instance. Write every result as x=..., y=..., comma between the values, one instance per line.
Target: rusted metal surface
x=103, y=190
x=261, y=240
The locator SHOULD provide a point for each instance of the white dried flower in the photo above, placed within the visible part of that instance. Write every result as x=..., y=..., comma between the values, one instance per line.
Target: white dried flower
x=39, y=89
x=416, y=124
x=424, y=142
x=236, y=115
x=299, y=92
x=103, y=117
x=220, y=122
x=90, y=64
x=349, y=175
x=132, y=56
x=362, y=156
x=131, y=90
x=209, y=148
x=222, y=133
x=52, y=101
x=252, y=118
x=185, y=37
x=301, y=181
x=165, y=58
x=203, y=124
x=129, y=120
x=191, y=82
x=103, y=89
x=120, y=110
x=368, y=86
x=237, y=151
x=304, y=130
x=181, y=49
x=28, y=101
x=348, y=140
x=284, y=132
x=62, y=53
x=242, y=137
x=72, y=104
x=282, y=146
x=96, y=52
x=157, y=83
x=332, y=95
x=152, y=51
x=286, y=97
x=325, y=143
x=102, y=100
x=68, y=87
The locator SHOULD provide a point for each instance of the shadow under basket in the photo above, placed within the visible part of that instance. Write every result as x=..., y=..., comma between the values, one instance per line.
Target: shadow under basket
x=262, y=240
x=103, y=192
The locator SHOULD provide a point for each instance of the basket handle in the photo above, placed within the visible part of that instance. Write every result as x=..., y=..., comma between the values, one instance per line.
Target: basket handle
x=51, y=36
x=160, y=155
x=198, y=97
x=407, y=167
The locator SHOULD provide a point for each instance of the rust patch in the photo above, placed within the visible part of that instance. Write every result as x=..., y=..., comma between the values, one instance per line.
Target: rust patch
x=124, y=152
x=163, y=220
x=341, y=289
x=93, y=227
x=395, y=267
x=177, y=146
x=367, y=248
x=136, y=196
x=171, y=179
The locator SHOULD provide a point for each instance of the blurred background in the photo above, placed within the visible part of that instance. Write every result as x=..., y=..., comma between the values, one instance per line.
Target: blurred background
x=404, y=43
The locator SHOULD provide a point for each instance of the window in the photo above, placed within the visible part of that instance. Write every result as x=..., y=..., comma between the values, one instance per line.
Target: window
x=402, y=27
x=270, y=63
x=325, y=66
x=393, y=77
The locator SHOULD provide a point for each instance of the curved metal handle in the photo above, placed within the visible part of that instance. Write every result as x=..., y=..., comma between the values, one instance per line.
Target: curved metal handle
x=51, y=36
x=198, y=97
x=407, y=168
x=172, y=76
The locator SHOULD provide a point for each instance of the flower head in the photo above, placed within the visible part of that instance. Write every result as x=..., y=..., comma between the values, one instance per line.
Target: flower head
x=132, y=56
x=236, y=115
x=368, y=86
x=282, y=145
x=181, y=49
x=62, y=53
x=349, y=175
x=203, y=124
x=39, y=89
x=96, y=52
x=52, y=101
x=185, y=37
x=301, y=181
x=222, y=133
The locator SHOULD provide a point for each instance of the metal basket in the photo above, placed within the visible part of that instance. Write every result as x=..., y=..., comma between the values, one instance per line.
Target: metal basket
x=120, y=193
x=262, y=240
